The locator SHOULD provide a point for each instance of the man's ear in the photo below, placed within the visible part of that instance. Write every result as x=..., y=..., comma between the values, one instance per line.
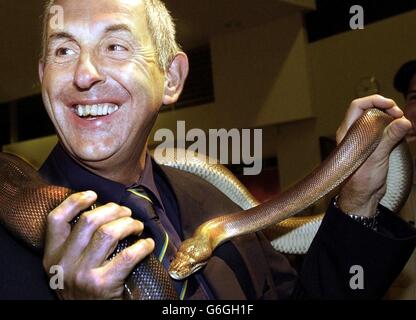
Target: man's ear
x=41, y=67
x=175, y=78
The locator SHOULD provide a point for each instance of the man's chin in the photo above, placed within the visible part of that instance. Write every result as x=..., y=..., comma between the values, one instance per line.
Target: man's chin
x=89, y=154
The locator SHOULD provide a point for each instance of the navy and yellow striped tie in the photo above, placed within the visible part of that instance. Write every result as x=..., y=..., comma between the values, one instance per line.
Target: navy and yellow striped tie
x=164, y=249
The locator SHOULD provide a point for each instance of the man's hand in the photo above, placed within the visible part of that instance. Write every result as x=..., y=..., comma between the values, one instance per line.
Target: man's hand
x=83, y=251
x=363, y=191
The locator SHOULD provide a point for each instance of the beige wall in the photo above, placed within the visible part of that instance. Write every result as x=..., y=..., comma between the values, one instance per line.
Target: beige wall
x=260, y=78
x=339, y=62
x=306, y=4
x=19, y=53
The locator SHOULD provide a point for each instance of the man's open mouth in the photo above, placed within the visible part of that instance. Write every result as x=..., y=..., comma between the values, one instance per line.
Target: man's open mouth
x=95, y=110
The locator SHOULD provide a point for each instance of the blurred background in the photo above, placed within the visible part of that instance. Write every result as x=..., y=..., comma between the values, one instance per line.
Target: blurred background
x=289, y=67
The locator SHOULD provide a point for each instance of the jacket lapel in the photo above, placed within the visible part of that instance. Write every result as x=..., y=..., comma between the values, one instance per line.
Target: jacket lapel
x=195, y=208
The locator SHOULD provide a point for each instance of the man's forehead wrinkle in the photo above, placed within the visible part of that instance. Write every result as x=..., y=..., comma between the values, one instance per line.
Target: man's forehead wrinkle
x=92, y=7
x=410, y=93
x=59, y=35
x=120, y=27
x=85, y=30
x=135, y=14
x=133, y=2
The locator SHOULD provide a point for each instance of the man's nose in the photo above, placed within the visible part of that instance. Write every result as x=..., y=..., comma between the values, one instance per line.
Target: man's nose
x=87, y=74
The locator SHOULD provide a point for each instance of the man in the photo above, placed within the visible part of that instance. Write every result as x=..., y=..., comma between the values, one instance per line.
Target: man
x=104, y=77
x=405, y=83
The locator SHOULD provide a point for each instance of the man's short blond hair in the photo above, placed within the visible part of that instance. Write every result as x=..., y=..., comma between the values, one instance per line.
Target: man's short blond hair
x=161, y=27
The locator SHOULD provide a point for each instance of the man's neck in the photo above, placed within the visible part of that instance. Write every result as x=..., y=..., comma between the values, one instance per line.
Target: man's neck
x=127, y=171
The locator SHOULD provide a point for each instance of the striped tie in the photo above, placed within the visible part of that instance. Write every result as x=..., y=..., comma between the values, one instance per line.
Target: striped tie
x=164, y=249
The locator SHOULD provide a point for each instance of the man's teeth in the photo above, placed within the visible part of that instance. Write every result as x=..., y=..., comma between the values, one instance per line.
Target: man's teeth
x=96, y=109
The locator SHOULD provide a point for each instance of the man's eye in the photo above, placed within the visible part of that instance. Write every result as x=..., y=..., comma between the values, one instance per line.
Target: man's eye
x=116, y=47
x=64, y=52
x=411, y=97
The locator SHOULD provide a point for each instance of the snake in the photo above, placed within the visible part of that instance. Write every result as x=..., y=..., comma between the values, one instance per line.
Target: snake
x=359, y=143
x=26, y=200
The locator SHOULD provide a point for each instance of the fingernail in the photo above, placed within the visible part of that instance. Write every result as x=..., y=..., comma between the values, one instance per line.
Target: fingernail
x=149, y=241
x=127, y=209
x=89, y=194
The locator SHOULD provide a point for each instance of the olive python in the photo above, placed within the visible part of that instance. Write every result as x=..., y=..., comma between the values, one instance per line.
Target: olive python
x=25, y=201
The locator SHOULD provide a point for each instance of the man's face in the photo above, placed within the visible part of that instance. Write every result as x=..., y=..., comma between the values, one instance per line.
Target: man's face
x=410, y=110
x=101, y=83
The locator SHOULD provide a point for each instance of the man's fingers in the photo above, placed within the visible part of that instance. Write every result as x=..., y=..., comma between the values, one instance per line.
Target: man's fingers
x=58, y=227
x=358, y=107
x=106, y=238
x=395, y=112
x=122, y=264
x=392, y=135
x=87, y=224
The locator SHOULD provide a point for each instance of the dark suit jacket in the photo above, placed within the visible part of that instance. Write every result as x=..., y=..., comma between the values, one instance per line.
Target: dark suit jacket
x=248, y=267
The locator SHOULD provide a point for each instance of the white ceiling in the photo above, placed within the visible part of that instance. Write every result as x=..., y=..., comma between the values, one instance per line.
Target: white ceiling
x=197, y=21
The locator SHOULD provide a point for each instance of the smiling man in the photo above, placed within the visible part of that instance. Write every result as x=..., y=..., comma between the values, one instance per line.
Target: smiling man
x=105, y=75
x=103, y=83
x=405, y=83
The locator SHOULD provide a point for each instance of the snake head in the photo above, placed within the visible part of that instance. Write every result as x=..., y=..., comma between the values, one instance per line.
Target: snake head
x=192, y=255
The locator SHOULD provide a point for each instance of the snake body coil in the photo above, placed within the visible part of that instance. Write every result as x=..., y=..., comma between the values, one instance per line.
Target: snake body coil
x=25, y=202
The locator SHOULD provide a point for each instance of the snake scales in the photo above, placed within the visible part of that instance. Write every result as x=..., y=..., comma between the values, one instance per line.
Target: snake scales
x=25, y=201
